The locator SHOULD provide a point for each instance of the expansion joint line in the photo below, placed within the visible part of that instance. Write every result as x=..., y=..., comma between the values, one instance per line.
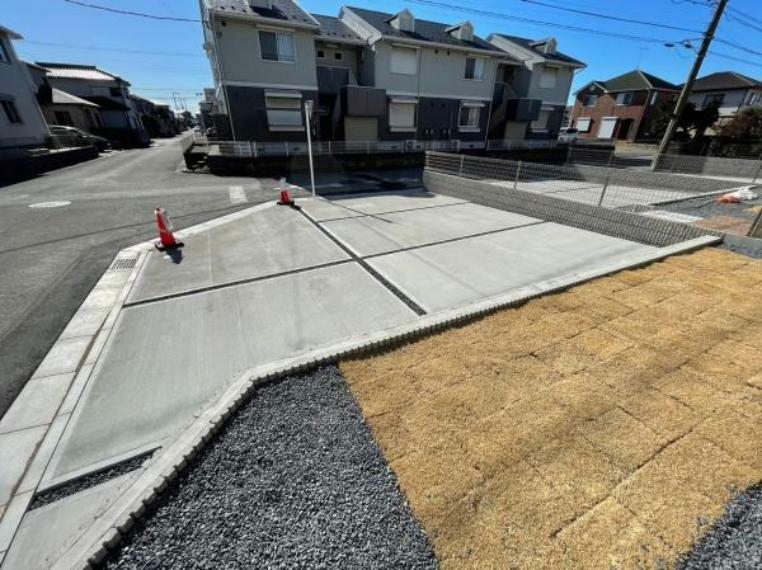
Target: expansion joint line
x=420, y=311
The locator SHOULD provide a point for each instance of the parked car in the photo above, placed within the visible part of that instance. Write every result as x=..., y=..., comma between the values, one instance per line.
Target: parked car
x=79, y=136
x=568, y=135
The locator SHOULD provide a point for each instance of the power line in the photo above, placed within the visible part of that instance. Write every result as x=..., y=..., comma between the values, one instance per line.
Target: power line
x=733, y=58
x=130, y=13
x=503, y=16
x=614, y=18
x=738, y=46
x=743, y=22
x=116, y=50
x=744, y=15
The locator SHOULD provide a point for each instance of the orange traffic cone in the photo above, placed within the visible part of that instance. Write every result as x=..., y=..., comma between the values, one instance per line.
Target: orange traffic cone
x=166, y=237
x=285, y=198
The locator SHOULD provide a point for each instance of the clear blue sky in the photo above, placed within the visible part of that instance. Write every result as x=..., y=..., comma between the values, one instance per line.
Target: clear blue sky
x=175, y=62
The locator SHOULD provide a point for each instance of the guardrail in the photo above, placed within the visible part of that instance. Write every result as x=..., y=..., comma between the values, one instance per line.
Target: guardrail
x=254, y=149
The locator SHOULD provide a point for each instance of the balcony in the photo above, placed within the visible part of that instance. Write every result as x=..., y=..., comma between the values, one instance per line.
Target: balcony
x=522, y=109
x=332, y=79
x=358, y=101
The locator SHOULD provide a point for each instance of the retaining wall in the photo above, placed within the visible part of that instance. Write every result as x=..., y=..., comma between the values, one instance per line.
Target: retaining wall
x=713, y=165
x=615, y=223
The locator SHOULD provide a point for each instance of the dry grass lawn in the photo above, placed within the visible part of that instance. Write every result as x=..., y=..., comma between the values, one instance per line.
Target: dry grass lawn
x=605, y=426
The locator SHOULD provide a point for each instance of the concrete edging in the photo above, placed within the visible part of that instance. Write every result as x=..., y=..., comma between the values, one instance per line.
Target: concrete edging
x=107, y=531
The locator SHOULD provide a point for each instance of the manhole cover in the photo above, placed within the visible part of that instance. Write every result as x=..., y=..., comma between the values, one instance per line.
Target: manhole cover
x=50, y=204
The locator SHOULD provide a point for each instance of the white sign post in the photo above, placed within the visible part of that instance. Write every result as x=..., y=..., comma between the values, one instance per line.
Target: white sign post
x=307, y=113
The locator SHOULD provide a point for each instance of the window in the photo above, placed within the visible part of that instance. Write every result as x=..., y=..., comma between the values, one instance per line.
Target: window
x=404, y=61
x=100, y=91
x=4, y=56
x=284, y=111
x=583, y=124
x=624, y=98
x=115, y=91
x=589, y=100
x=541, y=123
x=64, y=118
x=469, y=116
x=714, y=100
x=402, y=114
x=654, y=97
x=9, y=108
x=338, y=55
x=474, y=68
x=548, y=77
x=754, y=98
x=320, y=53
x=276, y=46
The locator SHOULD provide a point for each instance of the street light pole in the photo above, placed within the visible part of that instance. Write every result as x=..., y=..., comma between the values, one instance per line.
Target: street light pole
x=683, y=99
x=307, y=113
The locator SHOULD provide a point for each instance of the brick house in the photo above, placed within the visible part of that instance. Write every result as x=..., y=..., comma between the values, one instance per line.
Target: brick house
x=620, y=108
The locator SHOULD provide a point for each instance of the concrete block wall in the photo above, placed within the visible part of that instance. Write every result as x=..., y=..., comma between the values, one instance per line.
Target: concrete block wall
x=615, y=223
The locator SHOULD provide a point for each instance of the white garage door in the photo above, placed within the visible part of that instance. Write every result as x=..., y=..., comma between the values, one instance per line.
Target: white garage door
x=606, y=130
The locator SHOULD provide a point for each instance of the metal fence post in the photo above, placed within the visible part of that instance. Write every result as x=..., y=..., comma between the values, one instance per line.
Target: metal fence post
x=569, y=153
x=516, y=180
x=462, y=156
x=759, y=169
x=603, y=192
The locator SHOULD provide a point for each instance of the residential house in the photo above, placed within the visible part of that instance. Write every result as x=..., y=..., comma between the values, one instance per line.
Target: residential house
x=61, y=108
x=544, y=74
x=731, y=92
x=120, y=120
x=21, y=121
x=621, y=108
x=157, y=118
x=370, y=75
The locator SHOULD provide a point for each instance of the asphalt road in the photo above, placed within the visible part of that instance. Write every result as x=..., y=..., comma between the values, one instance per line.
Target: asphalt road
x=51, y=257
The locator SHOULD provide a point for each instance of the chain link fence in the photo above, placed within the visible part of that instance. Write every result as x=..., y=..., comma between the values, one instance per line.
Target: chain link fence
x=633, y=190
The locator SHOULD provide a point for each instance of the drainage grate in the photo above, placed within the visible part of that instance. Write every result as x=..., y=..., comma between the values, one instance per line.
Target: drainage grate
x=126, y=263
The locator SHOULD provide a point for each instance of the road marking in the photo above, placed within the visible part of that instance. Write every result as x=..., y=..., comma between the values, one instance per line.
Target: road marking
x=237, y=195
x=50, y=204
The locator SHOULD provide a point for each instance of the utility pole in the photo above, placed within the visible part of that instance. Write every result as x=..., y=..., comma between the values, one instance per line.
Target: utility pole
x=683, y=99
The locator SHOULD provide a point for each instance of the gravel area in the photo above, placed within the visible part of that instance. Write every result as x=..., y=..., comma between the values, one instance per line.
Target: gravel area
x=295, y=480
x=735, y=542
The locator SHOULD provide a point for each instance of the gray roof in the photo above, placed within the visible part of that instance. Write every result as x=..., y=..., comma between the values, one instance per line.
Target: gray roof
x=526, y=43
x=334, y=29
x=723, y=81
x=636, y=80
x=63, y=98
x=425, y=31
x=285, y=10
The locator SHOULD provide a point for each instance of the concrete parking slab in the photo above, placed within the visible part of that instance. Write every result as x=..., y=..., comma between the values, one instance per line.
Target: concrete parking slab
x=269, y=241
x=375, y=203
x=46, y=531
x=372, y=235
x=454, y=274
x=165, y=359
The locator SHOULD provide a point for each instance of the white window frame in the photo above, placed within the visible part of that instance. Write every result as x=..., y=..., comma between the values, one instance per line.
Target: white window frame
x=624, y=98
x=549, y=72
x=584, y=126
x=477, y=61
x=278, y=34
x=654, y=97
x=406, y=128
x=284, y=111
x=398, y=69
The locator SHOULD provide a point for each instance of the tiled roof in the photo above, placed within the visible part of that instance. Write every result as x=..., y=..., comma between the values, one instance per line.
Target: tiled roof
x=636, y=80
x=334, y=29
x=425, y=30
x=724, y=80
x=73, y=71
x=64, y=98
x=526, y=43
x=285, y=10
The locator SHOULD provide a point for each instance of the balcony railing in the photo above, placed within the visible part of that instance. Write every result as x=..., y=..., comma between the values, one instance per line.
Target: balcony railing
x=255, y=149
